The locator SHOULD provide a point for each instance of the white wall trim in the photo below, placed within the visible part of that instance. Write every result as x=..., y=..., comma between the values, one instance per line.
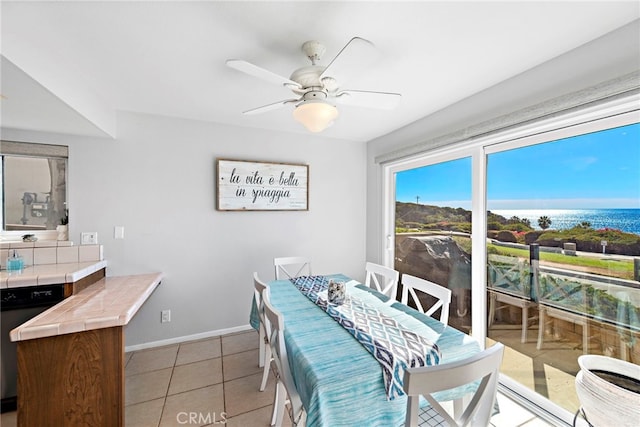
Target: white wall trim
x=185, y=338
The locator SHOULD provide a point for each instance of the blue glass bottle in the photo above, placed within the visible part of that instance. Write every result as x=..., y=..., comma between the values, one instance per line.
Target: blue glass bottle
x=15, y=262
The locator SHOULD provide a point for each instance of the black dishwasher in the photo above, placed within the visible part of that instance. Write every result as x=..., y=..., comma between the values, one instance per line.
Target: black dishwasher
x=18, y=305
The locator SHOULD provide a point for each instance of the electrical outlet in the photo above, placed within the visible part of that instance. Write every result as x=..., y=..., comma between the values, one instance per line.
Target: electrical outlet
x=165, y=316
x=89, y=238
x=118, y=232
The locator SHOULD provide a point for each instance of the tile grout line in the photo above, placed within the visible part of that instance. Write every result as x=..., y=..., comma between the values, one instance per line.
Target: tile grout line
x=224, y=394
x=175, y=364
x=166, y=393
x=224, y=381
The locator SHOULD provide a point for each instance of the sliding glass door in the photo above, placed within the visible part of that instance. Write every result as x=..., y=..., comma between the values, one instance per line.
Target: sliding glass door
x=433, y=230
x=551, y=214
x=563, y=245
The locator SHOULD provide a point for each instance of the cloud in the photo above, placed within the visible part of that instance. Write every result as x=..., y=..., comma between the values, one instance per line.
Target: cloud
x=580, y=163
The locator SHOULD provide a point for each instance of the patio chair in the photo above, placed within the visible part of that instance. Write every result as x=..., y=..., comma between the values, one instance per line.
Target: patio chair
x=567, y=299
x=383, y=279
x=292, y=267
x=508, y=283
x=483, y=367
x=443, y=295
x=285, y=385
x=264, y=331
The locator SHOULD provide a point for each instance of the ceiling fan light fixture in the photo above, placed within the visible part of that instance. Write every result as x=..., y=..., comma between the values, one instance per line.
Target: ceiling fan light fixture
x=316, y=114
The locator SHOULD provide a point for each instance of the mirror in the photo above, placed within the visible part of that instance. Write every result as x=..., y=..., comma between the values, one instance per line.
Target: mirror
x=34, y=187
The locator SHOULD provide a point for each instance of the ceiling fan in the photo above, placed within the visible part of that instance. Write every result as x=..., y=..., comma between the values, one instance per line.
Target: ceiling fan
x=317, y=87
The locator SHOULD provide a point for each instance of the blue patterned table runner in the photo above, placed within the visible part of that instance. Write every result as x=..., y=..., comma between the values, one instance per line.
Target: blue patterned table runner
x=393, y=346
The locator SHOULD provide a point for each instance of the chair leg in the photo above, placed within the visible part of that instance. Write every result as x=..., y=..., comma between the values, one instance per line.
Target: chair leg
x=276, y=405
x=266, y=369
x=525, y=323
x=541, y=328
x=585, y=337
x=492, y=309
x=280, y=406
x=262, y=347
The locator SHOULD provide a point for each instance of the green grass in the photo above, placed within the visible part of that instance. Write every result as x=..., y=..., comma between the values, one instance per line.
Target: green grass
x=612, y=267
x=617, y=268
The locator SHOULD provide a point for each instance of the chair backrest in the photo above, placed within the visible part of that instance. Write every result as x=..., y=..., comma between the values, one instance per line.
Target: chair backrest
x=383, y=279
x=483, y=367
x=279, y=351
x=291, y=267
x=258, y=290
x=409, y=286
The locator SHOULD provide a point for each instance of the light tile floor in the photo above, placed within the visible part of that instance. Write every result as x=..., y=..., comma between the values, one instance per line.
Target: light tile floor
x=215, y=382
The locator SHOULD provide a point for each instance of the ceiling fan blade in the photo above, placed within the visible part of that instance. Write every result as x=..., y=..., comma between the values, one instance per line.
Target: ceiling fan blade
x=261, y=73
x=357, y=54
x=270, y=107
x=363, y=98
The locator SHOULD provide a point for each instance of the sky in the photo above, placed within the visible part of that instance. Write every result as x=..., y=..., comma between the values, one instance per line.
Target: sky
x=596, y=170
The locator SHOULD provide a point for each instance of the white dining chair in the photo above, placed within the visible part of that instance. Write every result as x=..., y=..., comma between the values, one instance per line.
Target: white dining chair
x=383, y=279
x=264, y=330
x=292, y=267
x=285, y=385
x=483, y=367
x=411, y=284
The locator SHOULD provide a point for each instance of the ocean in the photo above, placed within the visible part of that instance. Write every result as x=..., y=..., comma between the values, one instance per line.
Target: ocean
x=627, y=220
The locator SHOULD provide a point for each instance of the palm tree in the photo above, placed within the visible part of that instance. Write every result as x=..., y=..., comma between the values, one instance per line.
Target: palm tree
x=544, y=222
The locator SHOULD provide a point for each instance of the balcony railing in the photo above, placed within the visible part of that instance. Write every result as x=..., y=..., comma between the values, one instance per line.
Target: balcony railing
x=608, y=304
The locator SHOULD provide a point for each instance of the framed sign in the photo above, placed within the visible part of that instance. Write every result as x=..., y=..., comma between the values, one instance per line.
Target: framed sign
x=260, y=186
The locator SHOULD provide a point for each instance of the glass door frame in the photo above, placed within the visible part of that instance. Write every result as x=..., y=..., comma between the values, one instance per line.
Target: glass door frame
x=620, y=111
x=478, y=204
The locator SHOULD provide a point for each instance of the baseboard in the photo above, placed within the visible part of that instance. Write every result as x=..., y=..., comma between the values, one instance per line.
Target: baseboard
x=178, y=340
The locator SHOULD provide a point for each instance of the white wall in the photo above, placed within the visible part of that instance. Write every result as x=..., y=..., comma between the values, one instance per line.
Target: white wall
x=157, y=179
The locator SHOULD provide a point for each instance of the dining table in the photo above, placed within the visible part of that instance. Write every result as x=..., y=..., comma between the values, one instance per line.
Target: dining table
x=340, y=382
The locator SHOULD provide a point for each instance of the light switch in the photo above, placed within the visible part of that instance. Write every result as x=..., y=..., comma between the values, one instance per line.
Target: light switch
x=118, y=232
x=89, y=238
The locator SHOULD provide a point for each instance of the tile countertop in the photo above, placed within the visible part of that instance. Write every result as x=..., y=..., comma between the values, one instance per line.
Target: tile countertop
x=49, y=274
x=111, y=301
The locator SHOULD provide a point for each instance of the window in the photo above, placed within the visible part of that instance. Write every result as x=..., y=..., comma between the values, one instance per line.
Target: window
x=433, y=231
x=563, y=231
x=34, y=189
x=530, y=288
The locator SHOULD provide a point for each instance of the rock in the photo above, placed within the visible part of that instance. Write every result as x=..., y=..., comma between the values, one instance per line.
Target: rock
x=435, y=258
x=506, y=236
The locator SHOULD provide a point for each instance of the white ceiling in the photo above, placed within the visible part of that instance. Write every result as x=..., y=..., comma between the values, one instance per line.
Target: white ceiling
x=168, y=58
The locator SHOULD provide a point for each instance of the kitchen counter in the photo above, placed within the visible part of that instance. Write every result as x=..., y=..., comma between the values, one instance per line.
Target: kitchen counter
x=111, y=301
x=71, y=357
x=48, y=274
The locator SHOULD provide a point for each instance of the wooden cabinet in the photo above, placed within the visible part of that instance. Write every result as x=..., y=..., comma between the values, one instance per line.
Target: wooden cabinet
x=72, y=379
x=71, y=357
